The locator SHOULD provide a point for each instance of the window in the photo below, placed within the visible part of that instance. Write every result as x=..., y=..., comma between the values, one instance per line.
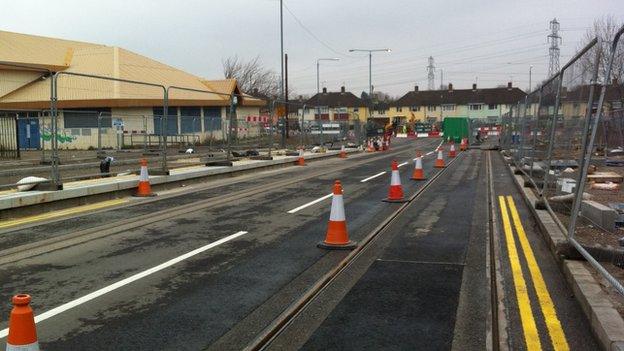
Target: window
x=87, y=119
x=355, y=109
x=399, y=109
x=431, y=108
x=493, y=106
x=415, y=108
x=449, y=107
x=212, y=118
x=172, y=120
x=381, y=111
x=190, y=119
x=475, y=107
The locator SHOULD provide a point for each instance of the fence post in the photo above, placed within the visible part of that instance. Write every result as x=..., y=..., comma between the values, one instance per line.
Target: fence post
x=163, y=133
x=230, y=124
x=271, y=110
x=553, y=128
x=534, y=131
x=56, y=178
x=17, y=146
x=301, y=129
x=587, y=144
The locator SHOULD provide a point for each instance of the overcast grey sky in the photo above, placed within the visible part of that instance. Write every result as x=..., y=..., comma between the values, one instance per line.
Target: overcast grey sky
x=489, y=41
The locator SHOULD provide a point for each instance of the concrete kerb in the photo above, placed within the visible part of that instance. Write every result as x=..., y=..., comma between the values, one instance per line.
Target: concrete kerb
x=606, y=323
x=21, y=204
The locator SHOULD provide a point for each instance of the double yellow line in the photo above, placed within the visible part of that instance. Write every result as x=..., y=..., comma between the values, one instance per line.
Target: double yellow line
x=529, y=327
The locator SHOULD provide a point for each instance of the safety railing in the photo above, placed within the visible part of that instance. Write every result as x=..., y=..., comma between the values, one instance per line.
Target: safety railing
x=566, y=138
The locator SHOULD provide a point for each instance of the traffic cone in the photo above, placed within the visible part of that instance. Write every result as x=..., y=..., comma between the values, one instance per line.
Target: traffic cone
x=464, y=144
x=439, y=162
x=452, y=152
x=144, y=189
x=301, y=159
x=370, y=147
x=395, y=193
x=22, y=333
x=343, y=152
x=418, y=174
x=337, y=237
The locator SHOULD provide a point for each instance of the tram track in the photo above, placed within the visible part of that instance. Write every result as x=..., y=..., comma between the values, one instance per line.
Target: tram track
x=264, y=340
x=40, y=247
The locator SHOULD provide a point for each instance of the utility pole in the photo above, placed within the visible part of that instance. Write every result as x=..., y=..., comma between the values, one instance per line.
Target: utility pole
x=553, y=51
x=282, y=49
x=431, y=74
x=530, y=73
x=286, y=126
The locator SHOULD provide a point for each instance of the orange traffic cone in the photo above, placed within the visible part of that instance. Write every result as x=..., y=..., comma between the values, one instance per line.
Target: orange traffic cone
x=337, y=237
x=370, y=147
x=22, y=333
x=464, y=144
x=395, y=193
x=452, y=152
x=418, y=174
x=439, y=162
x=301, y=159
x=144, y=189
x=343, y=152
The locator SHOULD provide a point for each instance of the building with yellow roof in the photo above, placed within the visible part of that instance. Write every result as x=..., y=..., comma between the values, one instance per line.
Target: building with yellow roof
x=86, y=104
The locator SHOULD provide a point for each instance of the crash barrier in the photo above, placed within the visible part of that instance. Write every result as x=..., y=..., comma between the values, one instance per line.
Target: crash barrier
x=565, y=137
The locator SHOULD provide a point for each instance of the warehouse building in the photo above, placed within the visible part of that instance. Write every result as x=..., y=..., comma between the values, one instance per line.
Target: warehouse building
x=115, y=108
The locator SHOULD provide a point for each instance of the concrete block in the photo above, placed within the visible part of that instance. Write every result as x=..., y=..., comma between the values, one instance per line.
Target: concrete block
x=608, y=326
x=602, y=215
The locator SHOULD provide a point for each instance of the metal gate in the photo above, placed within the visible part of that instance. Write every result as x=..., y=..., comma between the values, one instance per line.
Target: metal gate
x=9, y=136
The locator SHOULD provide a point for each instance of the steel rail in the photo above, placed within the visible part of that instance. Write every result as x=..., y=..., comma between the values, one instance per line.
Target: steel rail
x=74, y=238
x=279, y=325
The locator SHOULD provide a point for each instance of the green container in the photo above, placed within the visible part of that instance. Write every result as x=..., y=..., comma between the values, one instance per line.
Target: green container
x=456, y=128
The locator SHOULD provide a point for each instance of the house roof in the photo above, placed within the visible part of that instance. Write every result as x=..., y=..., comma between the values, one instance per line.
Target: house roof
x=461, y=97
x=30, y=90
x=335, y=99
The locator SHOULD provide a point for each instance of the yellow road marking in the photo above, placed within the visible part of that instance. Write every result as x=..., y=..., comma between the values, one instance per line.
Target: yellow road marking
x=531, y=337
x=60, y=213
x=553, y=324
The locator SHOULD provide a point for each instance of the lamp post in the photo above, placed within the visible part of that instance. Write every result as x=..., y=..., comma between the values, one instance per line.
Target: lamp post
x=370, y=64
x=530, y=71
x=318, y=61
x=318, y=90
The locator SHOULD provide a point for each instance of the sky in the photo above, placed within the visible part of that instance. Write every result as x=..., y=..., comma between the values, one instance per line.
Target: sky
x=486, y=42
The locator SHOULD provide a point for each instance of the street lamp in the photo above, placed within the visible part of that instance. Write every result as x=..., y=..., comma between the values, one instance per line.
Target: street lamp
x=317, y=70
x=318, y=108
x=530, y=70
x=370, y=63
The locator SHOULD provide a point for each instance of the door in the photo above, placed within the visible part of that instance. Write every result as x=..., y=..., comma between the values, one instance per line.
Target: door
x=29, y=135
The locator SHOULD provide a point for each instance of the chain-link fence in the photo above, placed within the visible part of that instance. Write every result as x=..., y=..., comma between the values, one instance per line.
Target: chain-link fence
x=66, y=142
x=572, y=153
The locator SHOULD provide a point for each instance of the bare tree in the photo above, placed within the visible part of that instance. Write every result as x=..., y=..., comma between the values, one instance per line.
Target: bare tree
x=252, y=76
x=604, y=29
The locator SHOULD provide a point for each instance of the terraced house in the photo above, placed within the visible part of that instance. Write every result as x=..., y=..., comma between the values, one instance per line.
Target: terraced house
x=335, y=106
x=114, y=108
x=434, y=105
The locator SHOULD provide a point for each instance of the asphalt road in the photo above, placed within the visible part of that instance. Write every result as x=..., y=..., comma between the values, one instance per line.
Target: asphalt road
x=195, y=302
x=215, y=275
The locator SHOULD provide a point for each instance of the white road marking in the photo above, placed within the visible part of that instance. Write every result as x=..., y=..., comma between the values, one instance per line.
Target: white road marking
x=372, y=177
x=402, y=164
x=311, y=203
x=69, y=305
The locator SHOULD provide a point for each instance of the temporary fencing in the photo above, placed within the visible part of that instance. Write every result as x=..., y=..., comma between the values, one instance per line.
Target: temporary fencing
x=566, y=138
x=143, y=120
